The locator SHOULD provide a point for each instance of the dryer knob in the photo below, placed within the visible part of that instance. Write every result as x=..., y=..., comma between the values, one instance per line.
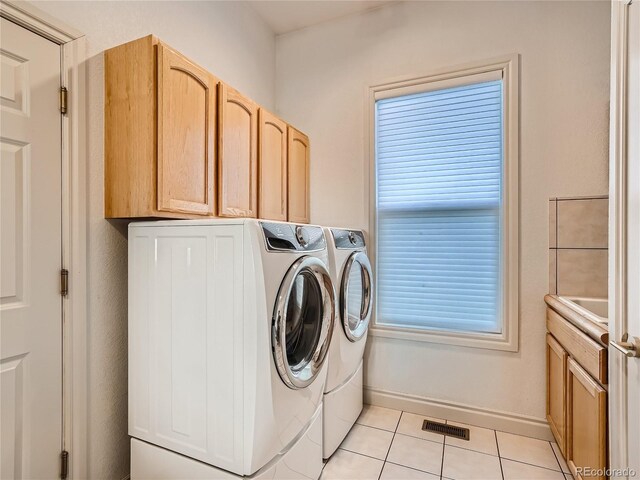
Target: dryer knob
x=300, y=236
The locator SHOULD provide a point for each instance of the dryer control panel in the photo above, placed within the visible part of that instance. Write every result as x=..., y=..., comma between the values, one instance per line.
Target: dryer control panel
x=348, y=239
x=291, y=237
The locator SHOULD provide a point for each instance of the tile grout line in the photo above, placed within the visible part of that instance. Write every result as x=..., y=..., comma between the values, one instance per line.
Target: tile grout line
x=531, y=464
x=578, y=248
x=444, y=443
x=359, y=453
x=528, y=463
x=380, y=460
x=422, y=438
x=578, y=199
x=410, y=468
x=472, y=450
x=371, y=426
x=442, y=461
x=557, y=459
x=390, y=444
x=495, y=434
x=556, y=279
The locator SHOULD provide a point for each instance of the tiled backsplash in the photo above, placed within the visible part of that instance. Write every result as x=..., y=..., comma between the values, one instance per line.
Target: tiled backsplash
x=578, y=246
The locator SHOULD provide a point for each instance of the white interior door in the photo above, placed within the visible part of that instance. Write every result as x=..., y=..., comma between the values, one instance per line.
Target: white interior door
x=31, y=245
x=624, y=304
x=633, y=233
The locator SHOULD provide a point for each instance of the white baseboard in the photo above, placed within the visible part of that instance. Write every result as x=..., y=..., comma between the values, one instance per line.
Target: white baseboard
x=481, y=417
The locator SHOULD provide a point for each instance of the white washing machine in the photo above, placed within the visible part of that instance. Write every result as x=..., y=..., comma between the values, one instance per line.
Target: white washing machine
x=230, y=323
x=351, y=273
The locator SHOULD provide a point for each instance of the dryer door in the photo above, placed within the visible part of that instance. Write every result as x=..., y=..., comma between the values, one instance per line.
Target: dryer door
x=302, y=322
x=356, y=296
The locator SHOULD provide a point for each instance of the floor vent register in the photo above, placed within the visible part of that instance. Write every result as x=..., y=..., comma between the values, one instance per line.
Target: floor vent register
x=444, y=429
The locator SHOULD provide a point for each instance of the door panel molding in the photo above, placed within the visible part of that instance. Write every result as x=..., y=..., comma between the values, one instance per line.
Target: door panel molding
x=298, y=171
x=272, y=167
x=237, y=164
x=177, y=141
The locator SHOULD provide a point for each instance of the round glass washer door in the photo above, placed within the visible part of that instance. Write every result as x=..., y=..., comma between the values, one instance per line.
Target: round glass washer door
x=302, y=322
x=356, y=296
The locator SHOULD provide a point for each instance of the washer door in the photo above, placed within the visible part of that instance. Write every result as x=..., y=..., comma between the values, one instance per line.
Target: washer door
x=302, y=322
x=356, y=296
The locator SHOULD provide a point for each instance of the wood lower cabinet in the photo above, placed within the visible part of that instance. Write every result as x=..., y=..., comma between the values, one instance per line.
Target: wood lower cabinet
x=557, y=391
x=160, y=130
x=238, y=150
x=577, y=396
x=586, y=422
x=272, y=167
x=298, y=181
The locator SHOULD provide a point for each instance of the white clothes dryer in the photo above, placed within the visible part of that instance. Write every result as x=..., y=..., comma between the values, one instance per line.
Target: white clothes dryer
x=351, y=273
x=230, y=323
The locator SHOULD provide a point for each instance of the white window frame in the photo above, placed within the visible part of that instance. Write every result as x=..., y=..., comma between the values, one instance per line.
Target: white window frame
x=508, y=67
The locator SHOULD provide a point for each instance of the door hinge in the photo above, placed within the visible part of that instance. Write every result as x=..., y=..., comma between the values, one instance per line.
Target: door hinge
x=63, y=100
x=64, y=282
x=64, y=464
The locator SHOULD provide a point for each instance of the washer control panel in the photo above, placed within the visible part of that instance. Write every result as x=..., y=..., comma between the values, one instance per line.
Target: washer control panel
x=348, y=239
x=290, y=237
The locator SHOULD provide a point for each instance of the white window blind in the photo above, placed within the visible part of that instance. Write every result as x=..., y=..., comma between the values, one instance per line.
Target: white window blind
x=439, y=163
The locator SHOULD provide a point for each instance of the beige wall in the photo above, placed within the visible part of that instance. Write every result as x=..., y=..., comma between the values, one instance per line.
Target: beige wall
x=230, y=40
x=322, y=73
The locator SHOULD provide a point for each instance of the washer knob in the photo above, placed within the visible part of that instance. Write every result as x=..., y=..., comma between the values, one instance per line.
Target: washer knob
x=300, y=236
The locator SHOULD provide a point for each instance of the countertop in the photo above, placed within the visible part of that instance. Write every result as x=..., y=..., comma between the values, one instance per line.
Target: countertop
x=588, y=322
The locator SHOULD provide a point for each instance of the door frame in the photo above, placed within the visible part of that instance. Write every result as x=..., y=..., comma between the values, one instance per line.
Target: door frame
x=618, y=447
x=74, y=224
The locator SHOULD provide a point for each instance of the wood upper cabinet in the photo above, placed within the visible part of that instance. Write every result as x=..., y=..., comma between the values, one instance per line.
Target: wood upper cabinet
x=586, y=421
x=298, y=173
x=557, y=391
x=178, y=143
x=186, y=135
x=238, y=155
x=272, y=167
x=160, y=121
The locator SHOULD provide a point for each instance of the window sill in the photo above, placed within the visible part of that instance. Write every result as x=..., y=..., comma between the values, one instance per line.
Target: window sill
x=488, y=341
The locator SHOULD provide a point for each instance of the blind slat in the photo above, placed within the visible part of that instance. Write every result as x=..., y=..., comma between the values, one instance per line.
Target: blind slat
x=442, y=86
x=439, y=188
x=453, y=98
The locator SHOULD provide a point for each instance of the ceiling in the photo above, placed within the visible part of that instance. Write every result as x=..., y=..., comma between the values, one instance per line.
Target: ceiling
x=285, y=16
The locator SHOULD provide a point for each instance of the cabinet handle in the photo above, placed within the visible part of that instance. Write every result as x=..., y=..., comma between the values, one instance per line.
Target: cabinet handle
x=629, y=346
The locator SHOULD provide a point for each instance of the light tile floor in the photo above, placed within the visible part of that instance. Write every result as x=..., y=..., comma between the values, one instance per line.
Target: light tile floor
x=388, y=444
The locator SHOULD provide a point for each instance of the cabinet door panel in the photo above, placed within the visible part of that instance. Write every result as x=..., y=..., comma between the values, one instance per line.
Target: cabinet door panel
x=272, y=184
x=557, y=391
x=186, y=135
x=299, y=155
x=238, y=155
x=586, y=421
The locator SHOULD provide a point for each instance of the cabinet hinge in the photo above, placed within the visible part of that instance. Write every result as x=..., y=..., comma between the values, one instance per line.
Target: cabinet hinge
x=64, y=464
x=64, y=282
x=63, y=100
